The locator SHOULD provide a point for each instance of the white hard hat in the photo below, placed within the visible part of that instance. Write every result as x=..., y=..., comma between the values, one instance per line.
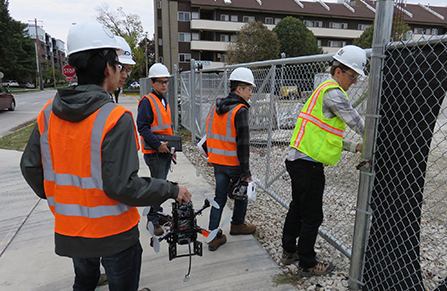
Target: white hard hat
x=91, y=35
x=353, y=57
x=158, y=70
x=125, y=58
x=244, y=75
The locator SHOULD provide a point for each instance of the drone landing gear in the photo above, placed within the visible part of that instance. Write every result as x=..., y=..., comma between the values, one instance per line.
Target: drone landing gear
x=198, y=250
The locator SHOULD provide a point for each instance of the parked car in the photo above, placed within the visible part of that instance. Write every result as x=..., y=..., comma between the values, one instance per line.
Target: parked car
x=29, y=85
x=10, y=83
x=134, y=85
x=7, y=100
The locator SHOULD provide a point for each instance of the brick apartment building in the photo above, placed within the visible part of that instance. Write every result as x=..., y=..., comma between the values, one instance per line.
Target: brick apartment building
x=49, y=47
x=202, y=29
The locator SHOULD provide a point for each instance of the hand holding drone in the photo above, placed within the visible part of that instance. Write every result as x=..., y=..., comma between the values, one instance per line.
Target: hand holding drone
x=183, y=229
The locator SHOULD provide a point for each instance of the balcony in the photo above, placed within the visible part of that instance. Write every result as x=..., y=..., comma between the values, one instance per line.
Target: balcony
x=204, y=45
x=216, y=25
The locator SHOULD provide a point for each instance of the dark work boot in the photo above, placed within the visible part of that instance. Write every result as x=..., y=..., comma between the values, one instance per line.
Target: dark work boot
x=219, y=240
x=242, y=229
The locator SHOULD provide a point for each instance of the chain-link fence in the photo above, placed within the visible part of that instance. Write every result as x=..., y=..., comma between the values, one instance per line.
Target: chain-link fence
x=282, y=88
x=403, y=187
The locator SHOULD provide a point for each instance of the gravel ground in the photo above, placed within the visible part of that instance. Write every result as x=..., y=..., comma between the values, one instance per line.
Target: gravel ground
x=268, y=216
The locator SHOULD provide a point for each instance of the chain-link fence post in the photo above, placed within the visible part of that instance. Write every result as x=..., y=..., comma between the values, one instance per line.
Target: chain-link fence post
x=382, y=34
x=270, y=126
x=175, y=98
x=192, y=95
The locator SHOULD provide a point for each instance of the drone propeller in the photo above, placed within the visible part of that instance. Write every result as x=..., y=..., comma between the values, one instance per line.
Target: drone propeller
x=212, y=202
x=213, y=234
x=154, y=239
x=146, y=211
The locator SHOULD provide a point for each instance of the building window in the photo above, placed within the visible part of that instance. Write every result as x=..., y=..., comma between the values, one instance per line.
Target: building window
x=268, y=20
x=233, y=38
x=184, y=16
x=195, y=36
x=319, y=42
x=195, y=15
x=338, y=25
x=160, y=41
x=159, y=22
x=234, y=18
x=159, y=4
x=248, y=18
x=184, y=58
x=277, y=20
x=308, y=23
x=418, y=30
x=184, y=37
x=336, y=43
x=318, y=23
x=224, y=37
x=364, y=26
x=224, y=17
x=434, y=31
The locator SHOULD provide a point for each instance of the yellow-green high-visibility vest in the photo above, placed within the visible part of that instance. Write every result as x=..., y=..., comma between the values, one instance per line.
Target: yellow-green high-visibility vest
x=319, y=137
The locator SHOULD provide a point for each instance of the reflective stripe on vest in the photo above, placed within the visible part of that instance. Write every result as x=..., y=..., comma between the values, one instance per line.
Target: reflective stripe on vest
x=158, y=125
x=115, y=217
x=325, y=150
x=223, y=152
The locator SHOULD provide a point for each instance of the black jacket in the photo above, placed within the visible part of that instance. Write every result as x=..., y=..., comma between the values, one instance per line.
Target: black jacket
x=120, y=165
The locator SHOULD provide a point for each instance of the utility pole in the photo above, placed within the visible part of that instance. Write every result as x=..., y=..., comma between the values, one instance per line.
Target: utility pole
x=39, y=71
x=52, y=63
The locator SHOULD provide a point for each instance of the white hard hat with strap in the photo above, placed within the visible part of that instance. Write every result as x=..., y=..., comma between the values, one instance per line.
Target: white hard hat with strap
x=89, y=36
x=353, y=57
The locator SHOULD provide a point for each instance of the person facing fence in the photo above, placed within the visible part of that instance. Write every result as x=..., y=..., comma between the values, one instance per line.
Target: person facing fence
x=82, y=157
x=317, y=140
x=228, y=145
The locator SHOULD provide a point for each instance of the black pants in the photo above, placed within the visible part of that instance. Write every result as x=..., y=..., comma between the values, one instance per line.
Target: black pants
x=305, y=213
x=117, y=94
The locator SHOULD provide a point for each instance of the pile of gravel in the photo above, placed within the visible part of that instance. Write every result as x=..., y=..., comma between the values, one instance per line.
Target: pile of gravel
x=268, y=216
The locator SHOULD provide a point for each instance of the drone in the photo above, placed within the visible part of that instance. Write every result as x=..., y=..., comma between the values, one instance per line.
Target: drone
x=183, y=230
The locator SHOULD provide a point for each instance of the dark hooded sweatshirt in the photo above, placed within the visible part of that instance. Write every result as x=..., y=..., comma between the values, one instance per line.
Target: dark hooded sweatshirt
x=242, y=129
x=120, y=165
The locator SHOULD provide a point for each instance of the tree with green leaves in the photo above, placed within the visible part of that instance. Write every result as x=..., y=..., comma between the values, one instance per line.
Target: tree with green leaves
x=255, y=42
x=295, y=39
x=129, y=26
x=17, y=54
x=398, y=32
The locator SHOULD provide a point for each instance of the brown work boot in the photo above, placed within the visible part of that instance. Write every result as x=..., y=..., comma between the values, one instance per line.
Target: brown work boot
x=242, y=229
x=289, y=258
x=219, y=240
x=319, y=270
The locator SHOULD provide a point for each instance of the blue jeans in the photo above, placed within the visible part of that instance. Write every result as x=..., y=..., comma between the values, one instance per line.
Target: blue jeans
x=122, y=270
x=223, y=174
x=305, y=213
x=159, y=165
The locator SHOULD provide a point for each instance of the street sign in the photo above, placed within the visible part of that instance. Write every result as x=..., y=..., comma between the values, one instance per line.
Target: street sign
x=69, y=71
x=69, y=79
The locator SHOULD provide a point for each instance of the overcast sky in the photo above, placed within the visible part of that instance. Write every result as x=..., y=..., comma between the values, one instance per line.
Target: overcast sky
x=56, y=16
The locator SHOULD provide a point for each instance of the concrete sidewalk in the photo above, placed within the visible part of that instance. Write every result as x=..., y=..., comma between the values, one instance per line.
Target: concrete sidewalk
x=28, y=261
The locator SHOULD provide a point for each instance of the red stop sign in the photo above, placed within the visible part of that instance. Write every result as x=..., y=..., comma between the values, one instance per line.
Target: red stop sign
x=68, y=71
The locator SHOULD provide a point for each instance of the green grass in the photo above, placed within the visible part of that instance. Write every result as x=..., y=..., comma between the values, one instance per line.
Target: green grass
x=286, y=278
x=18, y=139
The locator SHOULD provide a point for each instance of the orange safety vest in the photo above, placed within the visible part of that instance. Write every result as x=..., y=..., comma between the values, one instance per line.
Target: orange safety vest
x=162, y=119
x=71, y=158
x=221, y=137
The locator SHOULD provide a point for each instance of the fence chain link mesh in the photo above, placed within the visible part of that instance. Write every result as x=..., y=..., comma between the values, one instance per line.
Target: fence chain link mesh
x=408, y=224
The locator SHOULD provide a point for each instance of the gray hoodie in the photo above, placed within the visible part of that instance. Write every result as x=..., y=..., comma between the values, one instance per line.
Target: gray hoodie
x=120, y=165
